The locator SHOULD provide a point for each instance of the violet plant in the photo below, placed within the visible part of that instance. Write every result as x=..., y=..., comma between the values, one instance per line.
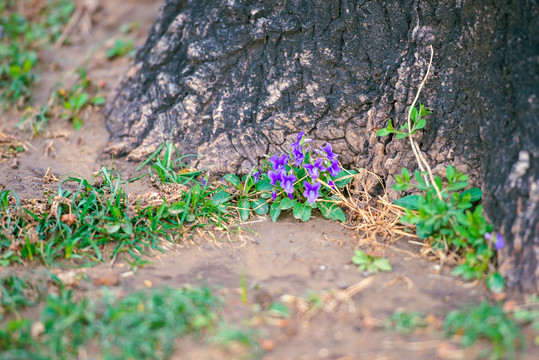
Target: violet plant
x=305, y=179
x=301, y=179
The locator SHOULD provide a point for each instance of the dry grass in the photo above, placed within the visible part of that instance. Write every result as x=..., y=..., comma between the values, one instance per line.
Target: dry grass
x=374, y=218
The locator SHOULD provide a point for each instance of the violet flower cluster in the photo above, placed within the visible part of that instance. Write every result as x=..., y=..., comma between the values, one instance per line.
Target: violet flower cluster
x=498, y=242
x=284, y=169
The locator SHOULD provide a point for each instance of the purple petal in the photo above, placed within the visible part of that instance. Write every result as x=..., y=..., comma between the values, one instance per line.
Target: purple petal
x=500, y=244
x=311, y=191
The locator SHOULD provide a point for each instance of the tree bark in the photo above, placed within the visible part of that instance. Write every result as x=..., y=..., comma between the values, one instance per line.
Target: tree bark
x=233, y=80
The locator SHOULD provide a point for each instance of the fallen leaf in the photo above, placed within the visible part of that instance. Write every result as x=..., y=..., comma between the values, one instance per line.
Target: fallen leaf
x=109, y=280
x=509, y=306
x=446, y=350
x=71, y=277
x=267, y=344
x=37, y=329
x=68, y=219
x=498, y=296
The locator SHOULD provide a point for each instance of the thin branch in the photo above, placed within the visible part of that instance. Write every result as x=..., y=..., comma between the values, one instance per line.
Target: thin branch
x=422, y=162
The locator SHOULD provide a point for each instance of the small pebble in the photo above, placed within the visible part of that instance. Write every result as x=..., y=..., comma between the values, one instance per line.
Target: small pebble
x=323, y=352
x=267, y=344
x=37, y=329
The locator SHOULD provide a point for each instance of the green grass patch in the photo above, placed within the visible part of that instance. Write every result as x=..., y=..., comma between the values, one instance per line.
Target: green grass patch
x=80, y=220
x=21, y=38
x=142, y=325
x=405, y=322
x=487, y=322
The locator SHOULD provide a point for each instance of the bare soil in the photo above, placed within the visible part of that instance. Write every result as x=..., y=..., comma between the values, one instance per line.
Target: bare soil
x=287, y=258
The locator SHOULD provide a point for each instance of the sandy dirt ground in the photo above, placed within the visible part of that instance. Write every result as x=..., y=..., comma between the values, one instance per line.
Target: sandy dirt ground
x=280, y=261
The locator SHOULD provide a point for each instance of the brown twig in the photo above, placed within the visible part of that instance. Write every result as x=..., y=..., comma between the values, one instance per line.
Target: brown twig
x=420, y=158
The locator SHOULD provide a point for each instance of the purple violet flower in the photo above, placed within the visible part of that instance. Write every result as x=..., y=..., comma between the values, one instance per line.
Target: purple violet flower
x=256, y=176
x=287, y=183
x=315, y=169
x=334, y=169
x=299, y=156
x=499, y=243
x=273, y=195
x=330, y=155
x=275, y=176
x=311, y=191
x=279, y=162
x=300, y=135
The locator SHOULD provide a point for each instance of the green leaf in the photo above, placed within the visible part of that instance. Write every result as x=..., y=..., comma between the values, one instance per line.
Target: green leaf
x=401, y=187
x=301, y=211
x=177, y=208
x=98, y=100
x=275, y=210
x=15, y=70
x=383, y=132
x=112, y=228
x=331, y=211
x=438, y=182
x=243, y=207
x=77, y=123
x=221, y=196
x=462, y=231
x=344, y=177
x=279, y=310
x=390, y=126
x=263, y=185
x=127, y=227
x=423, y=231
x=360, y=257
x=248, y=183
x=420, y=124
x=81, y=101
x=401, y=136
x=409, y=202
x=116, y=212
x=414, y=114
x=423, y=110
x=405, y=174
x=382, y=264
x=457, y=186
x=450, y=173
x=27, y=65
x=260, y=206
x=495, y=283
x=233, y=179
x=474, y=192
x=287, y=203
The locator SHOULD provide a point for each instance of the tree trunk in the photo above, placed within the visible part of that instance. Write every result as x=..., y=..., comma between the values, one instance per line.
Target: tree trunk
x=233, y=80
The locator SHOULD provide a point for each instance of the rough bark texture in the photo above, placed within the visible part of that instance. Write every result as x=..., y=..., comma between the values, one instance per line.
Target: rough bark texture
x=233, y=80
